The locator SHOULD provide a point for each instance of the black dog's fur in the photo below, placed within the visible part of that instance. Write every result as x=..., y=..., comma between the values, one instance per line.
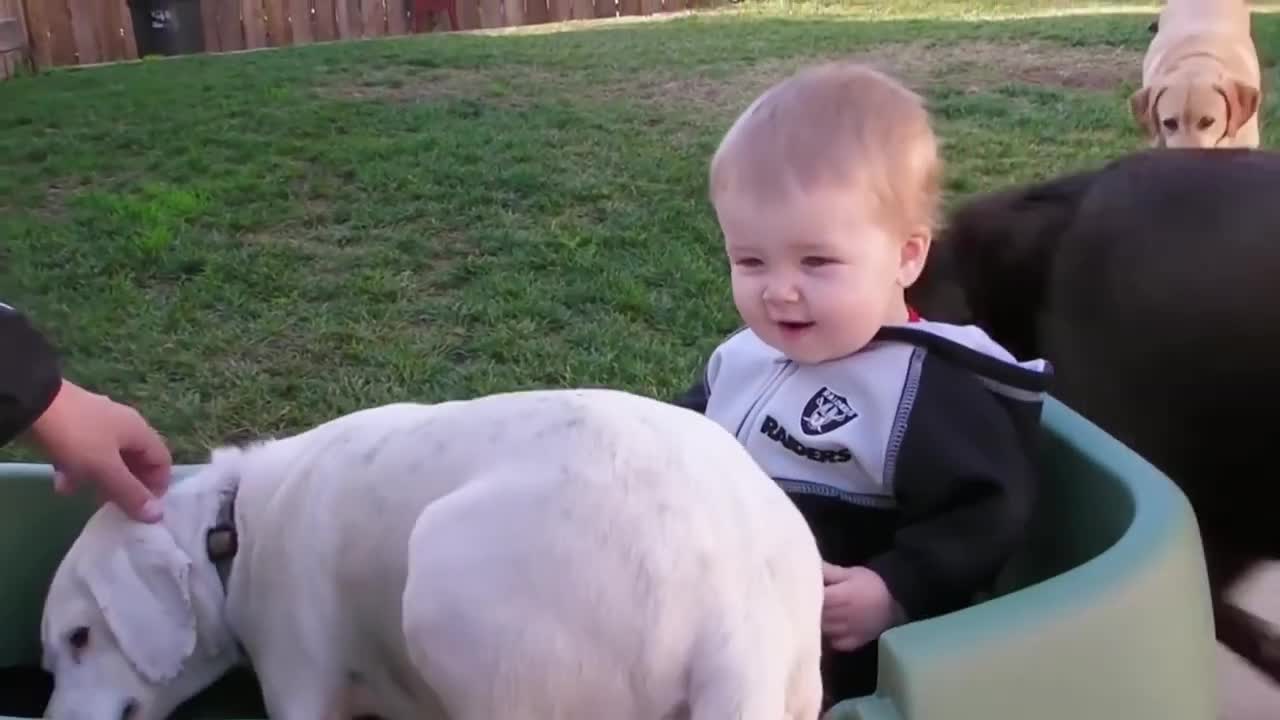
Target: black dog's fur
x=1153, y=285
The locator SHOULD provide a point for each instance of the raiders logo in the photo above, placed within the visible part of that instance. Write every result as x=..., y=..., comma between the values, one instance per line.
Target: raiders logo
x=825, y=411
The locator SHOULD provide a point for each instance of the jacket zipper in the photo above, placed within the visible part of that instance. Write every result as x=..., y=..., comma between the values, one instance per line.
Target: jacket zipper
x=762, y=399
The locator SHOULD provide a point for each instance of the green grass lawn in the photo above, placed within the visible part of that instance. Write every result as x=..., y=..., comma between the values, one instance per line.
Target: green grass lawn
x=250, y=244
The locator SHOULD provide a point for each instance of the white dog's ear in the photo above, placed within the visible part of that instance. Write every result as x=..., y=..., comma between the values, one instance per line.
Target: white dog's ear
x=144, y=594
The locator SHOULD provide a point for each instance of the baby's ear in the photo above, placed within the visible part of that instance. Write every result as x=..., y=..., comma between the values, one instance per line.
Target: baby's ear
x=914, y=255
x=938, y=293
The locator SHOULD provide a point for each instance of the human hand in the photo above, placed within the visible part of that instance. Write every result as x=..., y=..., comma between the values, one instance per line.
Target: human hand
x=91, y=438
x=856, y=606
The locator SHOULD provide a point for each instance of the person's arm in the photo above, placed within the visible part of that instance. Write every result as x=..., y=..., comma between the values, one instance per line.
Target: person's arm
x=965, y=483
x=30, y=374
x=695, y=396
x=87, y=437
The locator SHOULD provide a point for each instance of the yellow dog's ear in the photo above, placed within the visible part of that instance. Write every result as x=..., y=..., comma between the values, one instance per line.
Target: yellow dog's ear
x=1242, y=102
x=1140, y=106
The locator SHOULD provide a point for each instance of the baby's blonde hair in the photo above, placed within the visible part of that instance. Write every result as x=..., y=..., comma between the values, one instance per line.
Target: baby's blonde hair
x=836, y=124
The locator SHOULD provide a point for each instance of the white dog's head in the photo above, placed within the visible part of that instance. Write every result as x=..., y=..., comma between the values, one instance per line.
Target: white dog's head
x=133, y=623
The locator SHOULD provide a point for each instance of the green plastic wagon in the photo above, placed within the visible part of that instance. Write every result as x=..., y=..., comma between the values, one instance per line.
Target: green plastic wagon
x=1106, y=615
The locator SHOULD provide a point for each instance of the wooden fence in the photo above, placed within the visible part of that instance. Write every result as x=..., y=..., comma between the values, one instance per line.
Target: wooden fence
x=82, y=32
x=14, y=55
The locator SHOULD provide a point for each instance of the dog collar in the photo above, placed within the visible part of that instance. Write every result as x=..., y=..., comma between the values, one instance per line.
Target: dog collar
x=221, y=541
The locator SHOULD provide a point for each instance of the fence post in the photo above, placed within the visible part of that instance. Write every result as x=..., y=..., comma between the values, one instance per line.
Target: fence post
x=15, y=47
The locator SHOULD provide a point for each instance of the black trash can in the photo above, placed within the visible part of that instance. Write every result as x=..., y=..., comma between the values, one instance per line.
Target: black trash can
x=167, y=27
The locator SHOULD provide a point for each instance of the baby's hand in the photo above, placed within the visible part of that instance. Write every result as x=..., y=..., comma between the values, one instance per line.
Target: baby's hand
x=91, y=438
x=856, y=606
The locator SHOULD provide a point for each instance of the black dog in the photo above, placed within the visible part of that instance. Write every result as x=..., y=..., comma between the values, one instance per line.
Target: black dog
x=1153, y=285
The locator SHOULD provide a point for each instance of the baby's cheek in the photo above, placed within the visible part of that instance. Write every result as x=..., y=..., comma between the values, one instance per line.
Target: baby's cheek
x=854, y=297
x=747, y=292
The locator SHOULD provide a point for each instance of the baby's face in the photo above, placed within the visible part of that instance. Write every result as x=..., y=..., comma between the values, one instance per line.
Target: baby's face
x=815, y=275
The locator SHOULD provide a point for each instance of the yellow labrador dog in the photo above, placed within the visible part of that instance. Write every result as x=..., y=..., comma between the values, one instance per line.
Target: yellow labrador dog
x=1201, y=83
x=557, y=554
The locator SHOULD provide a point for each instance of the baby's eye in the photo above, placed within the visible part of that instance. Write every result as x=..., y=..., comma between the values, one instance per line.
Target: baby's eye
x=748, y=262
x=818, y=261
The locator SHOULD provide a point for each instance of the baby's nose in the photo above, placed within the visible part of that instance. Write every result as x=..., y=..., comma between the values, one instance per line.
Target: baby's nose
x=781, y=292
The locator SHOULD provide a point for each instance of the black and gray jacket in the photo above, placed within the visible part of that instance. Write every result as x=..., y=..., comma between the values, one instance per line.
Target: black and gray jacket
x=30, y=374
x=914, y=456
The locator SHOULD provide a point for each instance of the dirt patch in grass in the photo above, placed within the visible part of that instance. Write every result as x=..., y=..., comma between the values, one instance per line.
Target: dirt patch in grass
x=56, y=197
x=1102, y=69
x=505, y=87
x=548, y=28
x=307, y=244
x=971, y=66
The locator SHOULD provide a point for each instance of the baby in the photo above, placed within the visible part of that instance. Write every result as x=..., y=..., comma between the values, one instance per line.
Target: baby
x=907, y=444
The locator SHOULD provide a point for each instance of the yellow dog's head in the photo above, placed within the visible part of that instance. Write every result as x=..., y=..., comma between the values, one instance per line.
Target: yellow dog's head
x=1194, y=111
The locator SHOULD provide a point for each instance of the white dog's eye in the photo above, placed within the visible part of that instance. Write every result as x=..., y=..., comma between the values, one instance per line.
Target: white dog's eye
x=130, y=710
x=1205, y=122
x=79, y=638
x=1171, y=123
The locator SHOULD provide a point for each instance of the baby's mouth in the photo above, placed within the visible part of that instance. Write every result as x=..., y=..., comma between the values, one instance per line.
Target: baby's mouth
x=793, y=326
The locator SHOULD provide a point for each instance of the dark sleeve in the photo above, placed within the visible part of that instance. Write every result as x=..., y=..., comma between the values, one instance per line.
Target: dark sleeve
x=30, y=374
x=965, y=482
x=695, y=396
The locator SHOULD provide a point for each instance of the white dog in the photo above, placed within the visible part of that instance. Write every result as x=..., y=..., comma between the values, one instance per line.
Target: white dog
x=541, y=555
